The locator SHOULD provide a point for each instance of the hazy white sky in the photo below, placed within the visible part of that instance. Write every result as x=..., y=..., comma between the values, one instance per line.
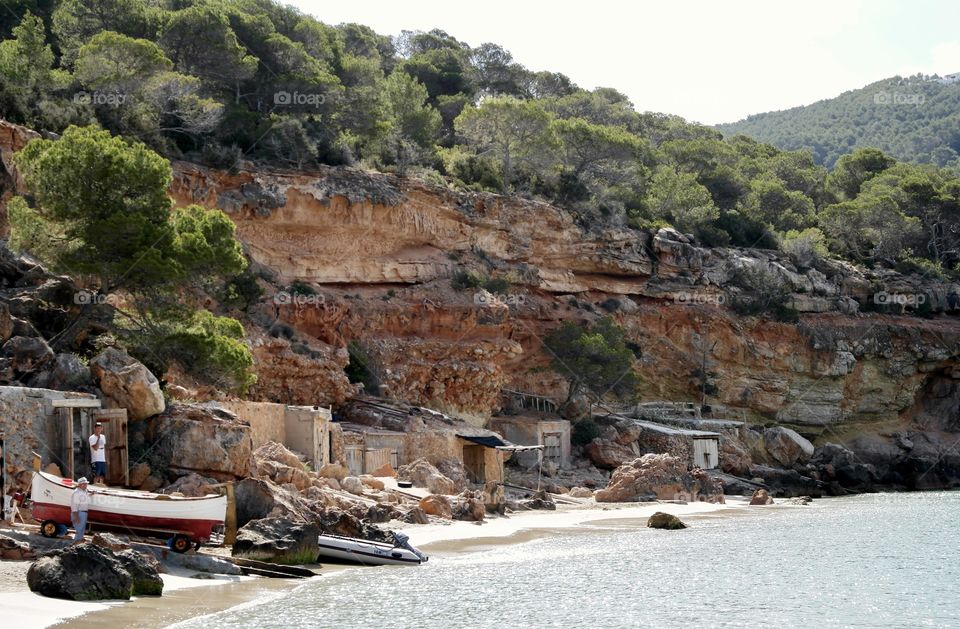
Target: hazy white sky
x=709, y=61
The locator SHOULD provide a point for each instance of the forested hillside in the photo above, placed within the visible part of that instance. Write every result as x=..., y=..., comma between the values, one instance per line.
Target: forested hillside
x=224, y=83
x=916, y=119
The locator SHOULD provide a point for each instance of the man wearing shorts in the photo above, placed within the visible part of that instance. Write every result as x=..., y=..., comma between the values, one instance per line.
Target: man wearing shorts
x=98, y=454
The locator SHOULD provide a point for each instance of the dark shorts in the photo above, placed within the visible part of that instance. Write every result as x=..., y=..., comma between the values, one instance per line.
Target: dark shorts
x=99, y=468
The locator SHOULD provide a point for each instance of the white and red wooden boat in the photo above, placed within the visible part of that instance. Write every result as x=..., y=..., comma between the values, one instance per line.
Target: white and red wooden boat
x=186, y=520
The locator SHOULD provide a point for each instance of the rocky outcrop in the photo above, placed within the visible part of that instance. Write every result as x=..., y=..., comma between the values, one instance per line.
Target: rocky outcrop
x=282, y=466
x=659, y=477
x=89, y=572
x=257, y=498
x=608, y=455
x=279, y=541
x=436, y=505
x=470, y=507
x=422, y=474
x=14, y=550
x=209, y=441
x=661, y=520
x=192, y=485
x=126, y=383
x=296, y=374
x=786, y=447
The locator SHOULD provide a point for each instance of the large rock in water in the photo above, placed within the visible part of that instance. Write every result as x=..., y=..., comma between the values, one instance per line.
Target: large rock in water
x=662, y=477
x=661, y=520
x=786, y=446
x=209, y=441
x=88, y=572
x=278, y=540
x=761, y=498
x=127, y=383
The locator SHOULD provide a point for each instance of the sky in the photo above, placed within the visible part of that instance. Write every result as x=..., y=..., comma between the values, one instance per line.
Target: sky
x=709, y=62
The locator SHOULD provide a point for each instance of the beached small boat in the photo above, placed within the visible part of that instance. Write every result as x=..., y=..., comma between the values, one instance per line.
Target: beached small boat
x=337, y=549
x=186, y=521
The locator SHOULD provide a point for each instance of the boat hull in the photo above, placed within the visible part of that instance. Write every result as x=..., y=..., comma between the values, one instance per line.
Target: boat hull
x=347, y=550
x=132, y=511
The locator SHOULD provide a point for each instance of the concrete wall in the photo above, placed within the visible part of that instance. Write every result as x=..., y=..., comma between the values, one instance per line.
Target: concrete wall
x=306, y=432
x=266, y=420
x=677, y=445
x=300, y=428
x=27, y=421
x=531, y=431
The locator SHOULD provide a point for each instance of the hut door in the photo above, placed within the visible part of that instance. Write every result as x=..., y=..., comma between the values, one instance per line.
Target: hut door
x=705, y=453
x=473, y=461
x=354, y=454
x=320, y=445
x=64, y=432
x=114, y=422
x=551, y=447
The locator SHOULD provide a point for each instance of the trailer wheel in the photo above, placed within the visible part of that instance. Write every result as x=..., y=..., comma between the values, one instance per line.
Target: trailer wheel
x=49, y=528
x=181, y=543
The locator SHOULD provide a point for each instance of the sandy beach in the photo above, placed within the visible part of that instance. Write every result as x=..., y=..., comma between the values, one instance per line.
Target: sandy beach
x=185, y=597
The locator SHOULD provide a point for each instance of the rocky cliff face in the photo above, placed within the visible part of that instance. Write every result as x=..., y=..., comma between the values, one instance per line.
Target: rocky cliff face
x=869, y=353
x=382, y=251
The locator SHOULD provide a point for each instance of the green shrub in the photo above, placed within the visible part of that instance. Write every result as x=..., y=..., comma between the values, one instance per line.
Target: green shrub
x=465, y=280
x=497, y=285
x=301, y=288
x=584, y=431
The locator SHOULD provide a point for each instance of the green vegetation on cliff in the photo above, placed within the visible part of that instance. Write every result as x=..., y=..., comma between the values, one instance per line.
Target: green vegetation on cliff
x=101, y=211
x=220, y=82
x=915, y=119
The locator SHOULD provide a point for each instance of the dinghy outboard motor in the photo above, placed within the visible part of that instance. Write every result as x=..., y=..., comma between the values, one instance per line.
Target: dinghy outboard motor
x=403, y=541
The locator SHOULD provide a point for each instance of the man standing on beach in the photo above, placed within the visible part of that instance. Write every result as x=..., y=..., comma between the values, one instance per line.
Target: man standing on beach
x=79, y=505
x=98, y=454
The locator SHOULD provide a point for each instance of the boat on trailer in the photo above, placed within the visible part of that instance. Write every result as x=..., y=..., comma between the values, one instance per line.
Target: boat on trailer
x=185, y=521
x=350, y=550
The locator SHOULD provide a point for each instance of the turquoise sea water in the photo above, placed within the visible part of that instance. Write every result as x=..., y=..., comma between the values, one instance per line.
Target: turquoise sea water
x=882, y=560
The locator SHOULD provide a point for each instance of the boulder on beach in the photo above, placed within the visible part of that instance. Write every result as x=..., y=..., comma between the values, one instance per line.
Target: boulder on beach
x=14, y=550
x=279, y=541
x=541, y=500
x=663, y=477
x=786, y=446
x=607, y=454
x=353, y=485
x=209, y=441
x=761, y=497
x=437, y=505
x=661, y=520
x=89, y=572
x=423, y=474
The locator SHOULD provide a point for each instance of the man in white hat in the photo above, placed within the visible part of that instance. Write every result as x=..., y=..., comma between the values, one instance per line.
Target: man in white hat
x=79, y=505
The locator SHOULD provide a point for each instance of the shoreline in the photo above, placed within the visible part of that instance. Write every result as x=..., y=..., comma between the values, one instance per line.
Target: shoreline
x=185, y=598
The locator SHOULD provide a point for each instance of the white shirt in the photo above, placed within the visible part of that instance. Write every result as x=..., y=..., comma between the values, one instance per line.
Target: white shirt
x=80, y=500
x=100, y=454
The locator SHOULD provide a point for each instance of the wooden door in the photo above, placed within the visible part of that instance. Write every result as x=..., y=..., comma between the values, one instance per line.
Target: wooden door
x=63, y=428
x=319, y=444
x=551, y=447
x=354, y=454
x=473, y=460
x=114, y=422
